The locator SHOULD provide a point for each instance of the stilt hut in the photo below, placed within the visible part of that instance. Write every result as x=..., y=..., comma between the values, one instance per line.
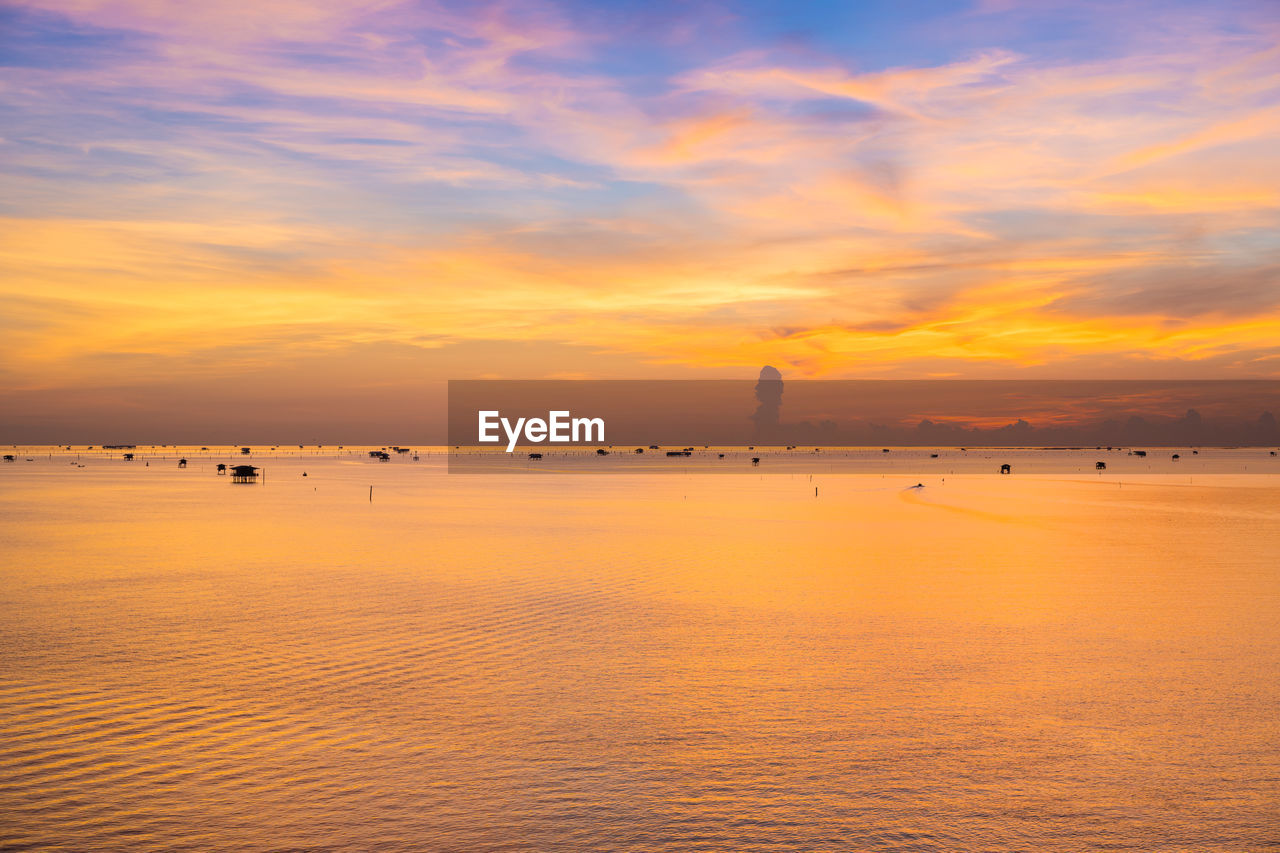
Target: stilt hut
x=244, y=474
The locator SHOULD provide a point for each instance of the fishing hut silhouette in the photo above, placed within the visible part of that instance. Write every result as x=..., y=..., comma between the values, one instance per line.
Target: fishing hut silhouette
x=222, y=468
x=244, y=474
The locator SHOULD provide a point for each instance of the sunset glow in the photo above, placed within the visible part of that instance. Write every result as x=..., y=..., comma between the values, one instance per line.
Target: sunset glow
x=291, y=196
x=639, y=426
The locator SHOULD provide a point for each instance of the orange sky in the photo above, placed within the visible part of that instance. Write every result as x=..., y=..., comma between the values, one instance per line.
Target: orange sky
x=328, y=208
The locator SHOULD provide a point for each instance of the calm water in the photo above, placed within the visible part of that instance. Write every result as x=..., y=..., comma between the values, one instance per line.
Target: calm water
x=629, y=662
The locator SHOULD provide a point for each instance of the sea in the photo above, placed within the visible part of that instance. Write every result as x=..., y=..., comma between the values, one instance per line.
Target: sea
x=857, y=649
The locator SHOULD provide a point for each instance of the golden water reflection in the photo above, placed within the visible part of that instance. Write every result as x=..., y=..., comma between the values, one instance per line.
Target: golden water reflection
x=634, y=662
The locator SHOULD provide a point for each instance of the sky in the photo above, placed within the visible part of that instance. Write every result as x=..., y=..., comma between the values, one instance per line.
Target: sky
x=291, y=221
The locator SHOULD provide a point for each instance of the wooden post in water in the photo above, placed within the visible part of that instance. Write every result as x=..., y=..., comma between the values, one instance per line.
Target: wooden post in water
x=371, y=494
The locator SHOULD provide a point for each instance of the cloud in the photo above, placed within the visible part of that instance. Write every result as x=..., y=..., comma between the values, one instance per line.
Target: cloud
x=309, y=178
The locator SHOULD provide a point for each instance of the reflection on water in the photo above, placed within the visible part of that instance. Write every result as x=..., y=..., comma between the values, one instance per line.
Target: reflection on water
x=633, y=663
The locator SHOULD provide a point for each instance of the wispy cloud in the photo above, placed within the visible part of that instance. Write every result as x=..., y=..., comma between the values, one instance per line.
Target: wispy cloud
x=307, y=178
